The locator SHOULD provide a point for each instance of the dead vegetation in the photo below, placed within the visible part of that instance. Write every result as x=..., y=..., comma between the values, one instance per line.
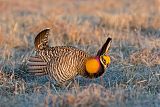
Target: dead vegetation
x=133, y=77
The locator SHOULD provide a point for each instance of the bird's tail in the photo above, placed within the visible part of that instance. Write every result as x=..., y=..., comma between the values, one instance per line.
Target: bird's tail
x=36, y=66
x=41, y=40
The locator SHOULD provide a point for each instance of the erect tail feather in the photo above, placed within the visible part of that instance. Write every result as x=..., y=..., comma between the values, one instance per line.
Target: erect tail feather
x=36, y=66
x=41, y=40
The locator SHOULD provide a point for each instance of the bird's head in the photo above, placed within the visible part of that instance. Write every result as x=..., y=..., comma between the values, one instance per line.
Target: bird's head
x=105, y=60
x=96, y=66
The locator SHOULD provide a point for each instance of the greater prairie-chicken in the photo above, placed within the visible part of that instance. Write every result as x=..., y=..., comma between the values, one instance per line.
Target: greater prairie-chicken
x=63, y=63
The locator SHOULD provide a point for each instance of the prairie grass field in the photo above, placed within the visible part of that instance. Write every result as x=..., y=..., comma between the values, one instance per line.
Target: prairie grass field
x=131, y=80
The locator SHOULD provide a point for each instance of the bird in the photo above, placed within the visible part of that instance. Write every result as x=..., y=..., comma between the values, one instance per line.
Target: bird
x=64, y=63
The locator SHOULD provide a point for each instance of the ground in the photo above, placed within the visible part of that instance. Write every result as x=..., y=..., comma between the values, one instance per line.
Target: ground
x=132, y=78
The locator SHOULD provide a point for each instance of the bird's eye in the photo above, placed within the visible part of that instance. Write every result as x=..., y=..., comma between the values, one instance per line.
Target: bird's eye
x=104, y=61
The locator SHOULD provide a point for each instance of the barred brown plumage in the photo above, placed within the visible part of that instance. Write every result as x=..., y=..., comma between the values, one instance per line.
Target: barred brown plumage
x=63, y=63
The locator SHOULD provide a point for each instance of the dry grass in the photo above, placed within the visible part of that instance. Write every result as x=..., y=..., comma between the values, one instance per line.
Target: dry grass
x=133, y=77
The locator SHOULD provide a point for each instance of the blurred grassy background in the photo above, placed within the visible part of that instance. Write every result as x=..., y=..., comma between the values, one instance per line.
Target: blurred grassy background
x=132, y=79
